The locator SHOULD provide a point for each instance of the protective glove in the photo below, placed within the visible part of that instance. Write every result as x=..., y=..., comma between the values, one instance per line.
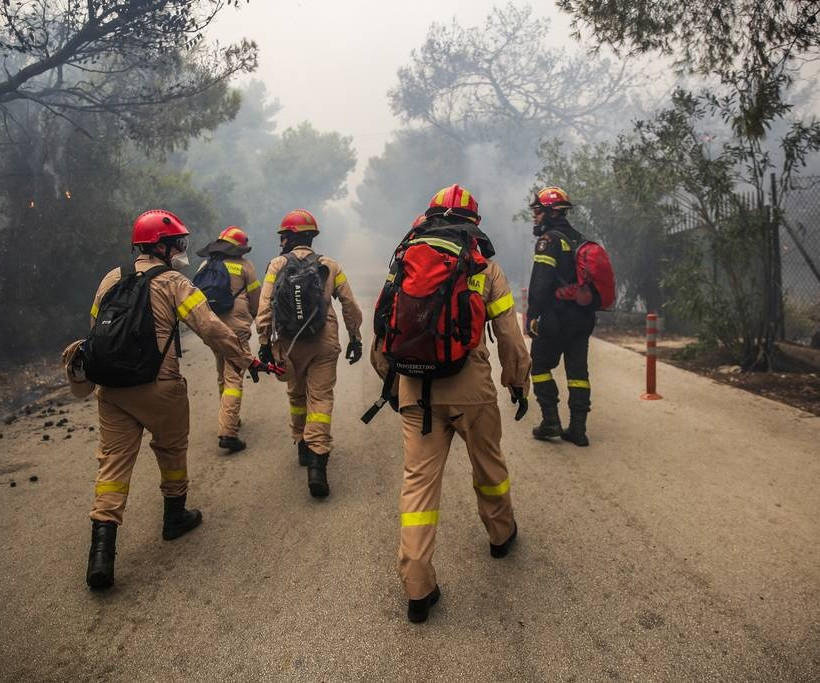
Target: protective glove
x=255, y=367
x=265, y=353
x=517, y=396
x=354, y=351
x=258, y=366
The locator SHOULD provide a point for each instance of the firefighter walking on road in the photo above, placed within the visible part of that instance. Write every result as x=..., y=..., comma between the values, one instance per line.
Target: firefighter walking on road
x=229, y=282
x=132, y=355
x=298, y=326
x=558, y=327
x=444, y=265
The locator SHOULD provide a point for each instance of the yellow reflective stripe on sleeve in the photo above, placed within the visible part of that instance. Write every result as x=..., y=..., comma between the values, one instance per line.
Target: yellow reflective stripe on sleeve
x=476, y=283
x=237, y=393
x=578, y=383
x=425, y=518
x=565, y=246
x=391, y=277
x=253, y=285
x=173, y=475
x=544, y=377
x=341, y=278
x=497, y=490
x=497, y=307
x=270, y=277
x=110, y=487
x=233, y=268
x=318, y=417
x=543, y=258
x=190, y=304
x=298, y=410
x=437, y=242
x=94, y=310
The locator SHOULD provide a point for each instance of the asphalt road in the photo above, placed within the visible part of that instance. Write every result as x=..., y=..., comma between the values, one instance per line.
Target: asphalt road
x=683, y=545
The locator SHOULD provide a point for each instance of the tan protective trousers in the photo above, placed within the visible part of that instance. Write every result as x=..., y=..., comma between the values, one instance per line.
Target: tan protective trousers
x=311, y=378
x=229, y=380
x=424, y=460
x=161, y=407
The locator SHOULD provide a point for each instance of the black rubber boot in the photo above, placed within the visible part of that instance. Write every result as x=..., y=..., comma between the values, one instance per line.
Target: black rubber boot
x=100, y=573
x=550, y=427
x=304, y=454
x=502, y=549
x=317, y=476
x=577, y=432
x=177, y=520
x=233, y=443
x=419, y=610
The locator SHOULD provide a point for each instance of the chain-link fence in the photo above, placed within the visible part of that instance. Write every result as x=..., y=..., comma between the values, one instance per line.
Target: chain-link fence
x=800, y=265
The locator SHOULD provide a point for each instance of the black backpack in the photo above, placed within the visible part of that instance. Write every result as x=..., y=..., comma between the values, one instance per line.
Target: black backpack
x=122, y=350
x=298, y=302
x=215, y=282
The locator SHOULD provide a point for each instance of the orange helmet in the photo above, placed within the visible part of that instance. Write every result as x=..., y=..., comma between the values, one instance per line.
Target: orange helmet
x=454, y=200
x=299, y=220
x=551, y=198
x=234, y=235
x=151, y=226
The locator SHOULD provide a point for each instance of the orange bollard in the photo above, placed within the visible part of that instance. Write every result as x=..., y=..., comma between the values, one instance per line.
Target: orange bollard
x=651, y=358
x=524, y=297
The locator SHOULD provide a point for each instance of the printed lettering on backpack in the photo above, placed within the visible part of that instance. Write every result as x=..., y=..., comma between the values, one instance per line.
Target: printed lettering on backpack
x=298, y=301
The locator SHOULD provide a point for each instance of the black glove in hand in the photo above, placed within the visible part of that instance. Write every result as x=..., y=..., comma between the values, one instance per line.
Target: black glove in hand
x=254, y=368
x=517, y=396
x=354, y=351
x=265, y=353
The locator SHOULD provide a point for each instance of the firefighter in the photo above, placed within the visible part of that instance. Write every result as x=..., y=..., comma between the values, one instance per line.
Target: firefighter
x=558, y=327
x=229, y=249
x=160, y=406
x=465, y=404
x=310, y=360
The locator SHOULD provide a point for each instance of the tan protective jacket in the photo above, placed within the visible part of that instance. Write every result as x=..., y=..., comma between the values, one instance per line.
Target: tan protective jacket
x=174, y=296
x=246, y=304
x=336, y=286
x=474, y=383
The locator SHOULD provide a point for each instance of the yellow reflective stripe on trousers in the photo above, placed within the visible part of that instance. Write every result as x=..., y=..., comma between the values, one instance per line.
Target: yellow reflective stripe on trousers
x=437, y=242
x=341, y=278
x=543, y=377
x=233, y=268
x=110, y=487
x=476, y=283
x=318, y=417
x=270, y=277
x=543, y=258
x=424, y=518
x=190, y=304
x=497, y=307
x=578, y=383
x=497, y=490
x=298, y=410
x=237, y=393
x=173, y=475
x=253, y=285
x=94, y=310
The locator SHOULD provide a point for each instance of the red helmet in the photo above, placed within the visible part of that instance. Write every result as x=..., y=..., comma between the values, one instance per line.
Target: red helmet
x=551, y=198
x=235, y=236
x=153, y=225
x=419, y=220
x=299, y=220
x=454, y=200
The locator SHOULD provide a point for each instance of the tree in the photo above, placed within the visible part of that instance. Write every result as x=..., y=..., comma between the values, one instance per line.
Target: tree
x=478, y=85
x=112, y=56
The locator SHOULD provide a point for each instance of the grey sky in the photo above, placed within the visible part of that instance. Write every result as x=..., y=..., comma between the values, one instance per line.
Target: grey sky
x=332, y=62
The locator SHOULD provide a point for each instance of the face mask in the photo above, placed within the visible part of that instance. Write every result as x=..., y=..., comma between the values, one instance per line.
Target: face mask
x=179, y=261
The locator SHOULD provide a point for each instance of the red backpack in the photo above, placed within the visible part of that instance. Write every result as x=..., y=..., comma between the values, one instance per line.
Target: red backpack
x=592, y=267
x=427, y=316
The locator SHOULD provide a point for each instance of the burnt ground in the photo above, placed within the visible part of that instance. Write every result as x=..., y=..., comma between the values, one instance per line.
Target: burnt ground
x=797, y=387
